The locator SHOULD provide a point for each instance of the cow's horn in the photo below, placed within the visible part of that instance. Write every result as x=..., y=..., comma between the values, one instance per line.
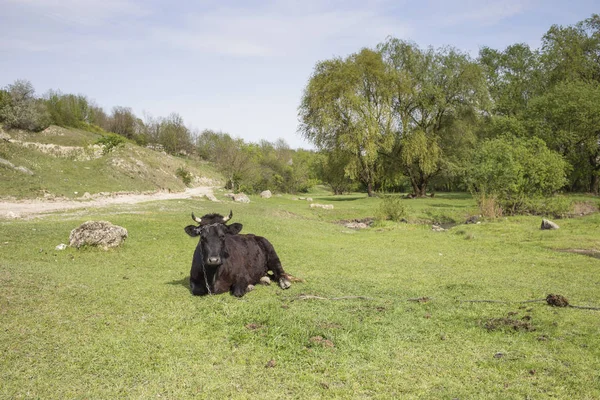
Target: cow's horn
x=198, y=220
x=227, y=218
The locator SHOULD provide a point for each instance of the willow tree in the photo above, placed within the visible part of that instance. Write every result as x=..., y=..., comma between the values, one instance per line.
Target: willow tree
x=567, y=118
x=437, y=97
x=347, y=108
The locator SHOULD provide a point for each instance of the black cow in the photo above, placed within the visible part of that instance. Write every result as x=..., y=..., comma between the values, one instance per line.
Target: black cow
x=225, y=261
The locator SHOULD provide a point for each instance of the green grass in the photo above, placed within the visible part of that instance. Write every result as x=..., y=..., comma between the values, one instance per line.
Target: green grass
x=122, y=323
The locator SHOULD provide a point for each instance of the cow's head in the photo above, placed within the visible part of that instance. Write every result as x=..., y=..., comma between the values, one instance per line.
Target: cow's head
x=212, y=231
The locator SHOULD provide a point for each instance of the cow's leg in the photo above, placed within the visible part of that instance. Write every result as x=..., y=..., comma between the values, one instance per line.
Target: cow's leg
x=198, y=288
x=265, y=280
x=240, y=288
x=274, y=265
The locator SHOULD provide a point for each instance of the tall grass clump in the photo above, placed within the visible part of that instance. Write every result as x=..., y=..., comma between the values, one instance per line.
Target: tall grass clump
x=391, y=208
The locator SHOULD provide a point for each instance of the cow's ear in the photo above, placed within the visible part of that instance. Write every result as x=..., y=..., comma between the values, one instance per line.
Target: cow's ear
x=235, y=228
x=192, y=230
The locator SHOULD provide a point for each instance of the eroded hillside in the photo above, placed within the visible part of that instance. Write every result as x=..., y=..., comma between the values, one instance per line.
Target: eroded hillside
x=67, y=162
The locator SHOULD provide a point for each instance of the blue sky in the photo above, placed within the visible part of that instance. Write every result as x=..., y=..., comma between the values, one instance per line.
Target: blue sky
x=238, y=66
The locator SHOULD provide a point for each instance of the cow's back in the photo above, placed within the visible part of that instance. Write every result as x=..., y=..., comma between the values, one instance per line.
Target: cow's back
x=245, y=257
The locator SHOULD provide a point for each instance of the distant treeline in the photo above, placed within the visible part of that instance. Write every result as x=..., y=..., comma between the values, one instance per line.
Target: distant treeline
x=249, y=167
x=510, y=126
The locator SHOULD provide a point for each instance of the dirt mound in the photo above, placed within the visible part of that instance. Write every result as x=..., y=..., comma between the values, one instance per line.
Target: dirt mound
x=557, y=300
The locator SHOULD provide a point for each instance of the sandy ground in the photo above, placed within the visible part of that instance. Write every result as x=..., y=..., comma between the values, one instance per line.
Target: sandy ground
x=24, y=208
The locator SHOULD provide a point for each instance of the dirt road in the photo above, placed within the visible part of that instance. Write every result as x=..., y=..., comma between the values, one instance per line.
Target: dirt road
x=24, y=208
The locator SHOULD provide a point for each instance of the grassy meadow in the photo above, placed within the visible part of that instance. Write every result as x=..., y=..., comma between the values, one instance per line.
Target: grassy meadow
x=122, y=323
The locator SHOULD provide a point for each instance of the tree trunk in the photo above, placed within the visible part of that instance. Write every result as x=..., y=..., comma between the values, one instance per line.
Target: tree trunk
x=370, y=189
x=595, y=178
x=419, y=186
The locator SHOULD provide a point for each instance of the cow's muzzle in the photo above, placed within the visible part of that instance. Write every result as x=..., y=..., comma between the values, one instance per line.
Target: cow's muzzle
x=213, y=261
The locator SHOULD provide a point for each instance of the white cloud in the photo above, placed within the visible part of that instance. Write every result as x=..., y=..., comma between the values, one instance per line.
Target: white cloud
x=478, y=12
x=81, y=12
x=279, y=30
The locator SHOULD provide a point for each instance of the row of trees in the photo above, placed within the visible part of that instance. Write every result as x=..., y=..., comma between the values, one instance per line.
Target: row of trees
x=253, y=167
x=401, y=114
x=247, y=167
x=21, y=109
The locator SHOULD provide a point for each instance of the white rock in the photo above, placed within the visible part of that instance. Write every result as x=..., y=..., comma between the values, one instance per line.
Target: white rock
x=323, y=206
x=61, y=246
x=547, y=224
x=211, y=197
x=241, y=198
x=266, y=194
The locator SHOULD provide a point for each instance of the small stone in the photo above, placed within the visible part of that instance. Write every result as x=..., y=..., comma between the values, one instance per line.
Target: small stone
x=547, y=224
x=241, y=198
x=61, y=246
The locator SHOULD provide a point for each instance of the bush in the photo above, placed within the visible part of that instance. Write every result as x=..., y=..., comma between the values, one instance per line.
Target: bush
x=391, y=208
x=184, y=175
x=20, y=109
x=110, y=141
x=513, y=171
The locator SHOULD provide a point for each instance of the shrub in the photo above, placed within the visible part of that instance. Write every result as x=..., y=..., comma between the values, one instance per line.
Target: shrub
x=20, y=109
x=184, y=175
x=391, y=208
x=110, y=141
x=513, y=171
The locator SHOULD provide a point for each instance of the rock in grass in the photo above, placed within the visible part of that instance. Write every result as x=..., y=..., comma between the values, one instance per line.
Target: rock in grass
x=211, y=197
x=323, y=206
x=266, y=194
x=547, y=224
x=241, y=198
x=97, y=233
x=437, y=228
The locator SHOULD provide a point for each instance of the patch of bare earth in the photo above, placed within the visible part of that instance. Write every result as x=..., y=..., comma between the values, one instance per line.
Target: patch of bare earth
x=582, y=208
x=586, y=252
x=509, y=324
x=11, y=209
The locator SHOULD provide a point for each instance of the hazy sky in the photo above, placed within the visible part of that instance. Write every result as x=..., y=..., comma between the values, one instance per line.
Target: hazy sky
x=238, y=66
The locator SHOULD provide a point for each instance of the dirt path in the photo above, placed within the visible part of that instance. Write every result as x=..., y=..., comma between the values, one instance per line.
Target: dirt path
x=24, y=208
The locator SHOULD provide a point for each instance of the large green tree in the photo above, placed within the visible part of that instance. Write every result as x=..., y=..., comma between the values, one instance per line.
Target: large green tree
x=567, y=118
x=347, y=109
x=514, y=77
x=438, y=95
x=573, y=52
